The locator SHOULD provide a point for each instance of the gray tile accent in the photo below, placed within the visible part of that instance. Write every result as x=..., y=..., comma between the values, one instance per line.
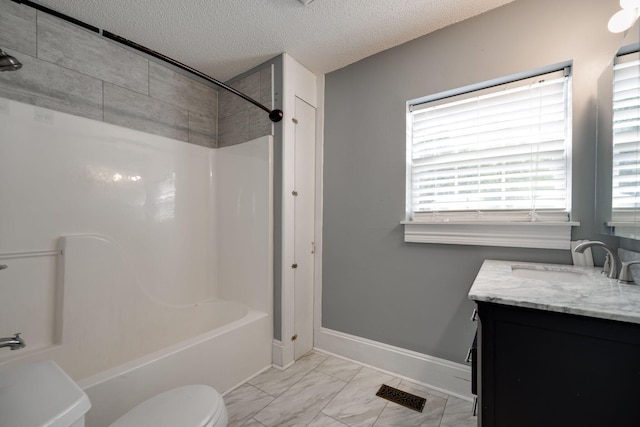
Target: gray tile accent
x=73, y=47
x=132, y=110
x=266, y=86
x=234, y=113
x=17, y=28
x=75, y=68
x=203, y=130
x=259, y=123
x=46, y=85
x=231, y=104
x=233, y=129
x=181, y=91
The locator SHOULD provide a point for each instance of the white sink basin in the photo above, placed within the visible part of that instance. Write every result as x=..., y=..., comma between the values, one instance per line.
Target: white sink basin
x=548, y=274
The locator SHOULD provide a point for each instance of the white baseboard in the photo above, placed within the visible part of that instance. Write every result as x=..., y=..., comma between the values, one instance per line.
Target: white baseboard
x=281, y=355
x=442, y=375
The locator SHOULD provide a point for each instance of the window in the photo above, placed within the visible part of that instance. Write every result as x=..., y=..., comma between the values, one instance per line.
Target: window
x=491, y=157
x=625, y=200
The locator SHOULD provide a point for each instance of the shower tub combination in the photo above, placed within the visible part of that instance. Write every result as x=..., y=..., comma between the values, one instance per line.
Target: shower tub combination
x=223, y=358
x=141, y=281
x=155, y=346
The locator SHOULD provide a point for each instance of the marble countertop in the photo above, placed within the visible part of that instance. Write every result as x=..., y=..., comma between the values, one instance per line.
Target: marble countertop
x=594, y=295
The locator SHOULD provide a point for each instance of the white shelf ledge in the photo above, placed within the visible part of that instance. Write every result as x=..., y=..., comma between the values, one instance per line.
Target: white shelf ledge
x=543, y=235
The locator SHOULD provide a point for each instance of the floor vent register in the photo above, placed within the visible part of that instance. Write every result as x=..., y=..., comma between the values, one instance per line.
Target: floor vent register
x=403, y=398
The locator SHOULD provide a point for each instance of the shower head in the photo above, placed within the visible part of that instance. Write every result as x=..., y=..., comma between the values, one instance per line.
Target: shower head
x=8, y=62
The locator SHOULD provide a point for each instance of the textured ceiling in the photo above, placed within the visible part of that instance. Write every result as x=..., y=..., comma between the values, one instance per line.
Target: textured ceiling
x=224, y=38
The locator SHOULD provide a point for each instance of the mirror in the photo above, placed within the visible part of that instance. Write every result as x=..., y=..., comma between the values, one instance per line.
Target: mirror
x=618, y=130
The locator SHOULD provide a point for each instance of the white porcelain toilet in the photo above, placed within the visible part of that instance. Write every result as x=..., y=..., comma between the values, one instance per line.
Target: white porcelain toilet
x=42, y=394
x=188, y=406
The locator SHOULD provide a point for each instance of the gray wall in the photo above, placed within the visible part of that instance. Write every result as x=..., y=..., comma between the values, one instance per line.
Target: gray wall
x=415, y=295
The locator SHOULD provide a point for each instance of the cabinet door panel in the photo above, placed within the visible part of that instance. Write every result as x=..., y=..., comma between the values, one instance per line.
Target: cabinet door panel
x=553, y=369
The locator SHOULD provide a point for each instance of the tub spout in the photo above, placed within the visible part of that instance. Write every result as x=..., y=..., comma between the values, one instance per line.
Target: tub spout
x=14, y=342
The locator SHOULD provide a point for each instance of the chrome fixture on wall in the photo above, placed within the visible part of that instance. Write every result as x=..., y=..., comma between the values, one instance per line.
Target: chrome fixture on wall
x=274, y=115
x=14, y=342
x=8, y=62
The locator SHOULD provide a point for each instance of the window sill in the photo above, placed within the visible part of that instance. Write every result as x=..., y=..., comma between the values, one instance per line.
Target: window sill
x=543, y=235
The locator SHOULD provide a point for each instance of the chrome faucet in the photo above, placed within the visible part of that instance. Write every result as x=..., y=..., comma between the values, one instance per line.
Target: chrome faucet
x=625, y=273
x=610, y=267
x=14, y=342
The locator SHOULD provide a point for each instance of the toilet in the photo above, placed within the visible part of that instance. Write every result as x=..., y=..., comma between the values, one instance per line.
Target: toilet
x=188, y=406
x=42, y=394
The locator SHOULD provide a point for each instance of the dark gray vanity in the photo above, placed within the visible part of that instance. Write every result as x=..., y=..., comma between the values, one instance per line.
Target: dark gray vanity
x=557, y=346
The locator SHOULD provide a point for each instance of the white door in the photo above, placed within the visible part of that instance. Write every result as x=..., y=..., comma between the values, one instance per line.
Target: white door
x=304, y=215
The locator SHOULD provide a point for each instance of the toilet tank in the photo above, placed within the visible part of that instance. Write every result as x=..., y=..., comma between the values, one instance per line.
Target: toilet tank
x=41, y=394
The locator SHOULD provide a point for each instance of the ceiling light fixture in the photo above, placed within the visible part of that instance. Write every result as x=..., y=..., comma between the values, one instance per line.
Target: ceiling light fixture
x=625, y=18
x=305, y=2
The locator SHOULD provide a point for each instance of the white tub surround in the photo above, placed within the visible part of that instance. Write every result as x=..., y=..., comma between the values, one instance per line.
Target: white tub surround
x=594, y=295
x=136, y=262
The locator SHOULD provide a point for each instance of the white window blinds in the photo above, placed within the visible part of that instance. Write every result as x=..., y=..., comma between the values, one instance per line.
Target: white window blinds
x=499, y=150
x=626, y=137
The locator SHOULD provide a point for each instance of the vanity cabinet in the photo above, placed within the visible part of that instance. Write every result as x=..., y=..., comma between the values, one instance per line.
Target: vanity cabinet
x=543, y=368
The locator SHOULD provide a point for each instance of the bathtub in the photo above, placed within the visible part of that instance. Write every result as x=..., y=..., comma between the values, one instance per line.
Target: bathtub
x=223, y=358
x=122, y=344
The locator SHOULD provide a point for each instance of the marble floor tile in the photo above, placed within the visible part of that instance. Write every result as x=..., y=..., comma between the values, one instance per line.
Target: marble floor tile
x=326, y=391
x=458, y=413
x=395, y=415
x=299, y=405
x=407, y=385
x=275, y=381
x=244, y=402
x=323, y=420
x=339, y=368
x=357, y=404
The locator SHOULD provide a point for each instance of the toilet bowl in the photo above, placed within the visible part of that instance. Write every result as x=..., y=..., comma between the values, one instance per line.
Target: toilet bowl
x=188, y=406
x=42, y=394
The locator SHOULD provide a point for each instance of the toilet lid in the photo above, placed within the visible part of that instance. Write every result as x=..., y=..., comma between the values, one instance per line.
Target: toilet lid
x=188, y=406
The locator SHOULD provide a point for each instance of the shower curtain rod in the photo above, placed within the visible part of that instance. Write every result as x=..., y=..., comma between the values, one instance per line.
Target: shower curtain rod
x=274, y=115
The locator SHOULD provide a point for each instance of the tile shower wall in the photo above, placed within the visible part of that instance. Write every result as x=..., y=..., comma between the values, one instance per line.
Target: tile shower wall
x=72, y=70
x=239, y=120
